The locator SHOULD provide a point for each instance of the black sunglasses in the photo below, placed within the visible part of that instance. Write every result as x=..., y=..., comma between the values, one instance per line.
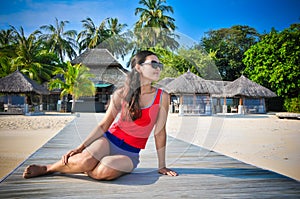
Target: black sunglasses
x=155, y=65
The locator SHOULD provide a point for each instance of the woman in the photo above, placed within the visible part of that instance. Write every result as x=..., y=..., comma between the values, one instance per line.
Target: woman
x=112, y=150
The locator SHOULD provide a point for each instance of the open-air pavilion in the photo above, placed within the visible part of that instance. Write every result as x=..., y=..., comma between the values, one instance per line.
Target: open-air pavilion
x=19, y=84
x=190, y=93
x=251, y=96
x=193, y=95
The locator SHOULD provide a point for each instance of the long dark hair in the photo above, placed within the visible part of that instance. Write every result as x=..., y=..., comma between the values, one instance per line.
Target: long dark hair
x=132, y=87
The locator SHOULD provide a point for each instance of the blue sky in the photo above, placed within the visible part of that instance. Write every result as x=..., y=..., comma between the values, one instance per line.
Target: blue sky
x=192, y=17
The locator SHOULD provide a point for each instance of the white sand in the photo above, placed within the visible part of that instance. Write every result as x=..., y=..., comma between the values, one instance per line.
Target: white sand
x=261, y=140
x=20, y=136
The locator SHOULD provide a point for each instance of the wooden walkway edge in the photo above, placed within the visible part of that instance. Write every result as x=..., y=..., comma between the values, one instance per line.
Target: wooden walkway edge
x=202, y=174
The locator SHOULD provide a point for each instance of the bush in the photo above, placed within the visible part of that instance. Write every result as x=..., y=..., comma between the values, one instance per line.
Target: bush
x=292, y=104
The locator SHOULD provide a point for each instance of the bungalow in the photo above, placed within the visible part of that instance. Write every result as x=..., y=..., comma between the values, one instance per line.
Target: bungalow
x=109, y=74
x=192, y=95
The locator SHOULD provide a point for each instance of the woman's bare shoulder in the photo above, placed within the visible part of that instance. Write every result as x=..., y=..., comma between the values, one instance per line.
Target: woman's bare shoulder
x=117, y=98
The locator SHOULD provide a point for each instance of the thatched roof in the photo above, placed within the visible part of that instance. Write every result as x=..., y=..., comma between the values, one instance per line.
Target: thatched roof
x=103, y=65
x=189, y=83
x=245, y=87
x=96, y=56
x=17, y=82
x=164, y=82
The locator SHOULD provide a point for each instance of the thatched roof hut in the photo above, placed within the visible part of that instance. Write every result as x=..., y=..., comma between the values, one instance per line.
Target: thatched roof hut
x=189, y=83
x=17, y=83
x=164, y=82
x=103, y=64
x=247, y=88
x=96, y=56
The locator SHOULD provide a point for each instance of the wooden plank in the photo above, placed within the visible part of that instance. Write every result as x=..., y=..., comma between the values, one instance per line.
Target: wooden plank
x=203, y=174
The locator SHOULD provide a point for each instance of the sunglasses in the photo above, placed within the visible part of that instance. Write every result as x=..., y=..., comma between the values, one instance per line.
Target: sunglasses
x=155, y=65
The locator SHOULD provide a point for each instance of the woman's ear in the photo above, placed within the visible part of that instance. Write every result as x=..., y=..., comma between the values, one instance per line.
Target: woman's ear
x=138, y=68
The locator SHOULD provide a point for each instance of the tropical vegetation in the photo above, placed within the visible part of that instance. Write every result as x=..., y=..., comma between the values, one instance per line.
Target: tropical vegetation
x=275, y=63
x=270, y=59
x=75, y=81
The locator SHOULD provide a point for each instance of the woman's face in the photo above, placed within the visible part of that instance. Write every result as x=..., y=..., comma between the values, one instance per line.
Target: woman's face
x=151, y=68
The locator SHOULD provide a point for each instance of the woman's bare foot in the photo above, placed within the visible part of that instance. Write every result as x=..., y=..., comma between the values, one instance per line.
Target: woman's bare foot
x=34, y=170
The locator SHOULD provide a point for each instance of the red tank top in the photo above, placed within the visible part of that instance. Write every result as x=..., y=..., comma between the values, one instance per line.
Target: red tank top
x=136, y=133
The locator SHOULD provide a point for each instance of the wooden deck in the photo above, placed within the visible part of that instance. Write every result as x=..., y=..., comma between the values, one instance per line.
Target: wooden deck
x=202, y=174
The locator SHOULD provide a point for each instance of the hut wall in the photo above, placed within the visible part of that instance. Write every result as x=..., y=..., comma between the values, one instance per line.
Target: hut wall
x=196, y=104
x=254, y=105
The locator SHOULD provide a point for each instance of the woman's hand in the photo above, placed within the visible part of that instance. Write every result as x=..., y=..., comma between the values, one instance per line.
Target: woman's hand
x=65, y=157
x=166, y=171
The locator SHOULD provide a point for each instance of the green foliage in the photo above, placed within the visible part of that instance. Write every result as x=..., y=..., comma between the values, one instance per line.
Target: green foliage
x=6, y=66
x=292, y=104
x=230, y=45
x=195, y=60
x=274, y=62
x=77, y=82
x=154, y=27
x=27, y=55
x=201, y=62
x=107, y=35
x=174, y=64
x=59, y=41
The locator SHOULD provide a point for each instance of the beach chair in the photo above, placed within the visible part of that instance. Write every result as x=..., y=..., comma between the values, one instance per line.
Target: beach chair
x=5, y=106
x=233, y=109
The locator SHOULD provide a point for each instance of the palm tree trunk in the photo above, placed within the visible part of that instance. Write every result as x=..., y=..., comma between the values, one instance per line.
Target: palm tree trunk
x=73, y=104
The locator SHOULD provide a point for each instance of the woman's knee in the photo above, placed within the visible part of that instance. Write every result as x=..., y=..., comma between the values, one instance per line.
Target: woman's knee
x=104, y=173
x=84, y=160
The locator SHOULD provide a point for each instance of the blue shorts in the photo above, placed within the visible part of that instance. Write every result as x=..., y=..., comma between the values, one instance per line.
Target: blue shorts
x=119, y=147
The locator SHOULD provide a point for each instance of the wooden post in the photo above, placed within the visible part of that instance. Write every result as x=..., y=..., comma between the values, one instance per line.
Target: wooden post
x=241, y=107
x=224, y=106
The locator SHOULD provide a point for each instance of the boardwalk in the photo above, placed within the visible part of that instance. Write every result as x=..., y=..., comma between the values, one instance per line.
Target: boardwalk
x=203, y=174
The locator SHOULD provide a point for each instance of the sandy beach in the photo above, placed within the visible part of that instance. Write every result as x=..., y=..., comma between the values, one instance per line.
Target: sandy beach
x=261, y=140
x=20, y=136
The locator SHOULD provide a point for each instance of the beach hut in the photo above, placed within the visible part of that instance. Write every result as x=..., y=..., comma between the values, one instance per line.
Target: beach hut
x=103, y=64
x=192, y=93
x=250, y=94
x=17, y=83
x=109, y=74
x=163, y=83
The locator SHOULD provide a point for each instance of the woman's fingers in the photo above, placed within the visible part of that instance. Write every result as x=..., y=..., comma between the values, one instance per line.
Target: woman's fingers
x=166, y=171
x=172, y=173
x=66, y=157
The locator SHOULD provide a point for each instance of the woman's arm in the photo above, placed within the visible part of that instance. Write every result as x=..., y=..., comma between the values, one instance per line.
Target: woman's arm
x=161, y=137
x=101, y=128
x=111, y=113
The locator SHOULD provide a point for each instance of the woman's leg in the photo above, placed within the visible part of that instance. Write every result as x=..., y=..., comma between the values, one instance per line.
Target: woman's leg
x=112, y=167
x=81, y=162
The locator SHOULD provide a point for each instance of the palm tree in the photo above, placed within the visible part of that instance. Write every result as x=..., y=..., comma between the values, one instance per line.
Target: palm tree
x=153, y=15
x=114, y=27
x=92, y=35
x=7, y=51
x=6, y=37
x=31, y=59
x=154, y=27
x=6, y=66
x=7, y=43
x=60, y=41
x=76, y=82
x=116, y=41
